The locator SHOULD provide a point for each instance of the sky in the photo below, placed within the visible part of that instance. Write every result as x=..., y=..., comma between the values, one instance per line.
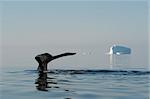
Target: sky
x=33, y=27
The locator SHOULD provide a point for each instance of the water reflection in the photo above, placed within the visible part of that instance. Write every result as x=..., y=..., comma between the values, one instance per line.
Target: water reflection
x=43, y=82
x=119, y=61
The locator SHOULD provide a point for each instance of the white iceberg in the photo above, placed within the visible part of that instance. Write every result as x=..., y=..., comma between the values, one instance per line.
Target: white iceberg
x=119, y=50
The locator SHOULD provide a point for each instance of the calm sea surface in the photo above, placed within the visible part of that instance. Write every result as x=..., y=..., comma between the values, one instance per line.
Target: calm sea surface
x=21, y=83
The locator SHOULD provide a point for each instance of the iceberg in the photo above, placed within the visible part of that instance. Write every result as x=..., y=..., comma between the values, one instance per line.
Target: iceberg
x=119, y=50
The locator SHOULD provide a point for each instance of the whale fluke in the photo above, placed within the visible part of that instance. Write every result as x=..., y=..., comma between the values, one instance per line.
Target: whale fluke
x=44, y=59
x=62, y=55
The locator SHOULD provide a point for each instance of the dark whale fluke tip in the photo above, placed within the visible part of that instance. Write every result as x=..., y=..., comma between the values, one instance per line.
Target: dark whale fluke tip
x=45, y=58
x=70, y=53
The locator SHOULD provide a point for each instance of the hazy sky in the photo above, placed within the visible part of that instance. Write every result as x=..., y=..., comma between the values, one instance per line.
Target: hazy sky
x=33, y=23
x=64, y=23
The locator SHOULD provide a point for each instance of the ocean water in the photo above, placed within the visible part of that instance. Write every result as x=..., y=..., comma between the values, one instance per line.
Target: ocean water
x=23, y=83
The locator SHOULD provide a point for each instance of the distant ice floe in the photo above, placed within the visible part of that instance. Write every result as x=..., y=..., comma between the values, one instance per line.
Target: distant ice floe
x=119, y=57
x=119, y=50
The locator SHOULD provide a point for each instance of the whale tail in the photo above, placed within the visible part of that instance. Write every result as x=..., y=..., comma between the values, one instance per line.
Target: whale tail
x=62, y=55
x=44, y=59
